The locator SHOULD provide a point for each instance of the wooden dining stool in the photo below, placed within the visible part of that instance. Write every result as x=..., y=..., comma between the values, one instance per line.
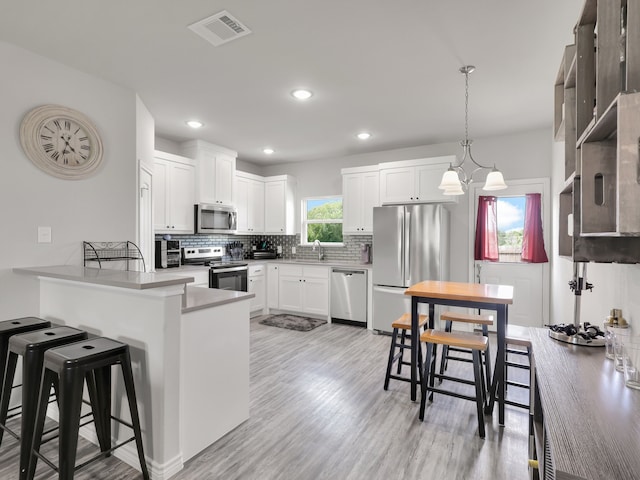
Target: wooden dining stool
x=476, y=344
x=519, y=337
x=485, y=321
x=402, y=326
x=91, y=360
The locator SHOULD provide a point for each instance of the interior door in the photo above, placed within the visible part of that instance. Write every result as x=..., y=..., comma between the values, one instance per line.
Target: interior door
x=145, y=217
x=530, y=281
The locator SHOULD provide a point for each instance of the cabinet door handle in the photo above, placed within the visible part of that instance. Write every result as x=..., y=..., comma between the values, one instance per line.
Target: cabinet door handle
x=638, y=177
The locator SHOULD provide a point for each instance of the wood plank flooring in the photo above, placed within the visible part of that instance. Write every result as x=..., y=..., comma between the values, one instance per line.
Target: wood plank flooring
x=318, y=411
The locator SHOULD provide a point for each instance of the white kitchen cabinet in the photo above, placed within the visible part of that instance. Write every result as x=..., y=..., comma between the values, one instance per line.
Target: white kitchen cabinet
x=304, y=289
x=273, y=280
x=249, y=201
x=290, y=289
x=173, y=190
x=360, y=193
x=257, y=286
x=200, y=277
x=279, y=205
x=216, y=168
x=414, y=181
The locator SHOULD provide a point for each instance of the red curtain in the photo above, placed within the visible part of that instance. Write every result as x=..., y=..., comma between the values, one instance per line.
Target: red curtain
x=533, y=241
x=486, y=247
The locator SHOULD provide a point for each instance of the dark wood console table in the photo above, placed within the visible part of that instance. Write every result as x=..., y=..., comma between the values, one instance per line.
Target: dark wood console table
x=586, y=422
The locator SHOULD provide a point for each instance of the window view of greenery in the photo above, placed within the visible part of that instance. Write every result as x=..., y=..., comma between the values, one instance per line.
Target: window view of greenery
x=510, y=211
x=323, y=220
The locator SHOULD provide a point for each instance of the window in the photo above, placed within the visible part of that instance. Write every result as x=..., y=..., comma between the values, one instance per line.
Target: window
x=322, y=220
x=510, y=212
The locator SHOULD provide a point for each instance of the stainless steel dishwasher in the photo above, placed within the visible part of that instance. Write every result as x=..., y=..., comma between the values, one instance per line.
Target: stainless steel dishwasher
x=349, y=296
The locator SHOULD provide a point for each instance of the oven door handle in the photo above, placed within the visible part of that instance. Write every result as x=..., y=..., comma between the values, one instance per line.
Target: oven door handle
x=230, y=269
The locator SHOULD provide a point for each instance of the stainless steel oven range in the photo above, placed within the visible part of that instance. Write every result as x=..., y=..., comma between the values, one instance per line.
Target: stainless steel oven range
x=222, y=274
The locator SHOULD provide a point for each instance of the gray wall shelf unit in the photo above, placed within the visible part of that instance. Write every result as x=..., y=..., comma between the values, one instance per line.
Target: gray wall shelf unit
x=597, y=114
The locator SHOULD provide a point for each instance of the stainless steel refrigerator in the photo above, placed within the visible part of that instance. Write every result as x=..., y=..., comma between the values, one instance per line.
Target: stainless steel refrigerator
x=410, y=244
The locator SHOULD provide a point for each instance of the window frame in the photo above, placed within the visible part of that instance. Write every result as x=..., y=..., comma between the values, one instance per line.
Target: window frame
x=304, y=222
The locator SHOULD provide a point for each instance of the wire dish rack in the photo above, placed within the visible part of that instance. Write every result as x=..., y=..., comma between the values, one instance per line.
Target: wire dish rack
x=124, y=251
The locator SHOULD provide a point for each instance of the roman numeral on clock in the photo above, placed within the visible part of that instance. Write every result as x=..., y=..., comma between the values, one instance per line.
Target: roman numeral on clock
x=55, y=155
x=48, y=147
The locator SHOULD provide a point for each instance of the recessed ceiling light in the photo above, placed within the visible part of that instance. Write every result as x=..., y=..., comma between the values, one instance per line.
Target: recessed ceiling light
x=364, y=135
x=302, y=94
x=194, y=123
x=268, y=151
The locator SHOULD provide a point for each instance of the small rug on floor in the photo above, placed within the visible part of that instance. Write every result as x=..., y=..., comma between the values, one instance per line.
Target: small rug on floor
x=293, y=322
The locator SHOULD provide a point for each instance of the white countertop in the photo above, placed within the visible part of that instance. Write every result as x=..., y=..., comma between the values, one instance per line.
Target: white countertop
x=103, y=276
x=183, y=269
x=197, y=298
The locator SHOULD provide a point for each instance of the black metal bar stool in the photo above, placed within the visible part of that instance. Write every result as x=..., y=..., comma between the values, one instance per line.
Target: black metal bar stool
x=8, y=328
x=32, y=347
x=520, y=337
x=396, y=352
x=92, y=359
x=484, y=321
x=477, y=344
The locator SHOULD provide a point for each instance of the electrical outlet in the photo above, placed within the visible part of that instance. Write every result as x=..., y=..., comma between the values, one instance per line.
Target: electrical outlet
x=44, y=234
x=293, y=250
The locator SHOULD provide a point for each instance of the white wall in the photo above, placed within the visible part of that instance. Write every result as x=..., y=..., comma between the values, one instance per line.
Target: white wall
x=614, y=285
x=98, y=208
x=522, y=155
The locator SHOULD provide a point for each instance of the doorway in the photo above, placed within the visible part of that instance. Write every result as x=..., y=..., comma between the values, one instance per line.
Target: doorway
x=530, y=280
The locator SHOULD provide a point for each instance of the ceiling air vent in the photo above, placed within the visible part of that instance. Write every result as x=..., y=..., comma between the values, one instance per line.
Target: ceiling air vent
x=220, y=28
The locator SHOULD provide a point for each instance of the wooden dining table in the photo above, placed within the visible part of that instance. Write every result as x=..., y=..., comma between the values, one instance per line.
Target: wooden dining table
x=470, y=295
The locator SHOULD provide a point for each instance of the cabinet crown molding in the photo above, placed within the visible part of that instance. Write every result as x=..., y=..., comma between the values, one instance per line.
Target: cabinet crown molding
x=419, y=161
x=191, y=148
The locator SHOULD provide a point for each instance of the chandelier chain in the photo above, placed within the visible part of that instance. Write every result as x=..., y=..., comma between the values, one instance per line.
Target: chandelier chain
x=466, y=106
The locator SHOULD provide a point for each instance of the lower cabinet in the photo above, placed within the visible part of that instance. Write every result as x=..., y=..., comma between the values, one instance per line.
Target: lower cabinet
x=304, y=289
x=257, y=285
x=273, y=280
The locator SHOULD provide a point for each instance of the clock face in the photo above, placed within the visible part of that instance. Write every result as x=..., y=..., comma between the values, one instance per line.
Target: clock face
x=65, y=141
x=61, y=141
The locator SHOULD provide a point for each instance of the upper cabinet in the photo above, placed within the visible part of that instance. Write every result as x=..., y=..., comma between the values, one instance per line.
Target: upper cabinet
x=216, y=168
x=249, y=201
x=279, y=205
x=360, y=193
x=414, y=181
x=173, y=193
x=597, y=114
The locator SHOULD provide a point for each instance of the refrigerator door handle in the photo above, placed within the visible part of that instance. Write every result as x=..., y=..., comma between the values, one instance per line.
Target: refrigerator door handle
x=406, y=240
x=393, y=290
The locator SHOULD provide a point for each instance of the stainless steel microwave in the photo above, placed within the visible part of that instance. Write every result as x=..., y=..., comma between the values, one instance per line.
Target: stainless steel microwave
x=215, y=218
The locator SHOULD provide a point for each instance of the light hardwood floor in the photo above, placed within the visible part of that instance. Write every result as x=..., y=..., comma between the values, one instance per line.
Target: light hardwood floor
x=318, y=410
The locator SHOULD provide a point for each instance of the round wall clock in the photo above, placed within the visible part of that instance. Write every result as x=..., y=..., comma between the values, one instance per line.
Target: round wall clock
x=61, y=141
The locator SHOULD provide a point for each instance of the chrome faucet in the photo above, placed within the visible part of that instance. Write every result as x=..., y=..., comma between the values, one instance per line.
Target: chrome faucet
x=316, y=243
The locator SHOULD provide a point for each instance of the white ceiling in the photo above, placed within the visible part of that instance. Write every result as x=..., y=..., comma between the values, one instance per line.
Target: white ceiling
x=388, y=67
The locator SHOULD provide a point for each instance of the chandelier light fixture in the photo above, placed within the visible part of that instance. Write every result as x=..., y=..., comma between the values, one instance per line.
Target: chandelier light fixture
x=456, y=179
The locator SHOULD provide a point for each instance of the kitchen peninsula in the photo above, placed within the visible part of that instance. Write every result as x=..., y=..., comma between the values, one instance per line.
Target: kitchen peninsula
x=189, y=351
